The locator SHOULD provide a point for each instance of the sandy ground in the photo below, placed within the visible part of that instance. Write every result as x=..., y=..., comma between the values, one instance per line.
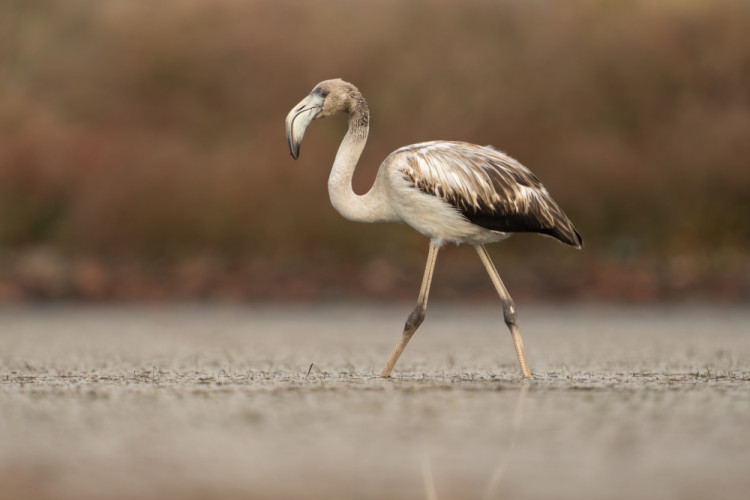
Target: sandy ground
x=221, y=402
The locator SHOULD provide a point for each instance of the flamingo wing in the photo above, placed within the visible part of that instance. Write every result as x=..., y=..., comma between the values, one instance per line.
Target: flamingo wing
x=488, y=187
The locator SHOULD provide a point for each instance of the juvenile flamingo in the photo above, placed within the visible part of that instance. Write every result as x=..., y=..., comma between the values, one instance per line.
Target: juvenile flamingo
x=448, y=191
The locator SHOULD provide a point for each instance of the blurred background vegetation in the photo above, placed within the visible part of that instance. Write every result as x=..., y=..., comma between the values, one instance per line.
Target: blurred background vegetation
x=143, y=157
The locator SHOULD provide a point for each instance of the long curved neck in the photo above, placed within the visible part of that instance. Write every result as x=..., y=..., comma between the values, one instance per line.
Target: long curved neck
x=370, y=207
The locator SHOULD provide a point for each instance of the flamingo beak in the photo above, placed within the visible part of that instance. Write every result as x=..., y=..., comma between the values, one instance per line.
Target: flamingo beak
x=298, y=119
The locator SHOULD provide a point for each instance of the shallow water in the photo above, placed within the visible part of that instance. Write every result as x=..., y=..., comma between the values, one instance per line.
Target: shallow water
x=285, y=402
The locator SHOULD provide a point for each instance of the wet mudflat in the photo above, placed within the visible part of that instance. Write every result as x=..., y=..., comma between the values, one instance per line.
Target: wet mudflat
x=285, y=402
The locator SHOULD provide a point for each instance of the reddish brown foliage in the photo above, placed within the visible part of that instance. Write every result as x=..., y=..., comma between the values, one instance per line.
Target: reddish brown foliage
x=152, y=134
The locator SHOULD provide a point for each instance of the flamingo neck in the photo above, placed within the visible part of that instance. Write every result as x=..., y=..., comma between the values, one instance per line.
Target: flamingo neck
x=372, y=206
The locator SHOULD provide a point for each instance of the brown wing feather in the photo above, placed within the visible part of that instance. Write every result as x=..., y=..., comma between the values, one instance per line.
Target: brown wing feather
x=489, y=188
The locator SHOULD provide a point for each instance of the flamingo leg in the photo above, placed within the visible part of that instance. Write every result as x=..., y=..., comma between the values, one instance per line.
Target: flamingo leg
x=417, y=315
x=509, y=309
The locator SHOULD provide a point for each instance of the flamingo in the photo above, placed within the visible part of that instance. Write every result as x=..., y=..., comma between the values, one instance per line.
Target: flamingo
x=449, y=191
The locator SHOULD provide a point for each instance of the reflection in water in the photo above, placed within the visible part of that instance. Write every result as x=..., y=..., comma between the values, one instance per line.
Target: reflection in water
x=429, y=482
x=497, y=477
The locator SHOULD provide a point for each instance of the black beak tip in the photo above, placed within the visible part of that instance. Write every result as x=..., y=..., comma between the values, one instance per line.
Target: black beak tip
x=294, y=151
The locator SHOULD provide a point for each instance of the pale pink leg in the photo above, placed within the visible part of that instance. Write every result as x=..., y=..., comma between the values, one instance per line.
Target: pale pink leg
x=509, y=309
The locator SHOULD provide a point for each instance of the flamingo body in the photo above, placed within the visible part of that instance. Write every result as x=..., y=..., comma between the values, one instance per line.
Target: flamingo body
x=448, y=191
x=463, y=193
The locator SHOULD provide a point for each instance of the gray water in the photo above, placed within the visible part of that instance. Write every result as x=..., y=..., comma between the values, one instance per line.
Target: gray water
x=285, y=402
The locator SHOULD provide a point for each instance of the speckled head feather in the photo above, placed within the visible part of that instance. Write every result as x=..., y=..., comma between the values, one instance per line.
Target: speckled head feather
x=342, y=97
